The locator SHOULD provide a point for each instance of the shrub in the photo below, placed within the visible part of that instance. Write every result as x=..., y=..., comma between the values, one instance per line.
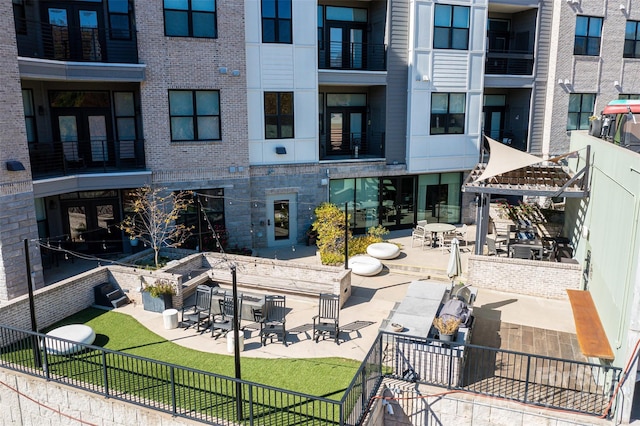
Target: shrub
x=160, y=287
x=447, y=325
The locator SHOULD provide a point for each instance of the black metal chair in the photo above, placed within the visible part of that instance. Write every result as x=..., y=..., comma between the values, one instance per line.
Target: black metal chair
x=199, y=312
x=273, y=321
x=326, y=323
x=223, y=322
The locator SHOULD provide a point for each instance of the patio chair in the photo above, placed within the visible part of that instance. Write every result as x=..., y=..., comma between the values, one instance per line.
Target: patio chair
x=444, y=240
x=273, y=321
x=492, y=249
x=326, y=323
x=461, y=234
x=198, y=313
x=223, y=322
x=421, y=235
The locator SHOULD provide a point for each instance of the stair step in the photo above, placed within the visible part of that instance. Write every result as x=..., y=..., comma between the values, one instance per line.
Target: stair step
x=114, y=294
x=124, y=300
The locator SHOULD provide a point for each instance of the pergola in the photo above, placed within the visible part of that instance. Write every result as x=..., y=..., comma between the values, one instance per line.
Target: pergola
x=513, y=172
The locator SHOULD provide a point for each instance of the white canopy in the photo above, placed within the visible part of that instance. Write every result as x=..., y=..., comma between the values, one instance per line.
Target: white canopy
x=504, y=159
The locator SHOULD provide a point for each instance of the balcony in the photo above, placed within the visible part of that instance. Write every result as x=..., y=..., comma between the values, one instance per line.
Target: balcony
x=346, y=146
x=55, y=159
x=43, y=40
x=509, y=63
x=352, y=56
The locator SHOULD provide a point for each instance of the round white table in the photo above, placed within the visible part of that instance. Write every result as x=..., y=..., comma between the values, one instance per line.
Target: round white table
x=76, y=333
x=435, y=228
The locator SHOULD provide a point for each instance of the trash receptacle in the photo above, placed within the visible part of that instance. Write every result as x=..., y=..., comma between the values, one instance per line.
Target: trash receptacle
x=170, y=317
x=231, y=340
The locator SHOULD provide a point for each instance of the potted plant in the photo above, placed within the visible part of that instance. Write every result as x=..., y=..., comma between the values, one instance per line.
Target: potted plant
x=158, y=296
x=447, y=327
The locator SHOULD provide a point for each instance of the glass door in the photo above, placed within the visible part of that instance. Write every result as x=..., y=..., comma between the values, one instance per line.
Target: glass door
x=397, y=202
x=346, y=44
x=92, y=225
x=281, y=220
x=346, y=131
x=74, y=31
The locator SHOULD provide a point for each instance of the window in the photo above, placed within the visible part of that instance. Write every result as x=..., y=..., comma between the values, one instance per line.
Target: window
x=195, y=115
x=278, y=115
x=205, y=216
x=628, y=96
x=632, y=40
x=447, y=113
x=588, y=32
x=190, y=18
x=276, y=21
x=451, y=27
x=124, y=107
x=580, y=109
x=29, y=115
x=119, y=19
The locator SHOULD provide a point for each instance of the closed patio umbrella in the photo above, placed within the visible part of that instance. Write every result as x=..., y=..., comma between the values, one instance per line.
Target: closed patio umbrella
x=454, y=268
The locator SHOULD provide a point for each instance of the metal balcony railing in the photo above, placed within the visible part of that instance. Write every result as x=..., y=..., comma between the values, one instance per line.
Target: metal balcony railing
x=352, y=56
x=339, y=145
x=509, y=62
x=51, y=159
x=72, y=43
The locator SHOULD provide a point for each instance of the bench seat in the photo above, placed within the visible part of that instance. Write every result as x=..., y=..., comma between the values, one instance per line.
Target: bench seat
x=592, y=338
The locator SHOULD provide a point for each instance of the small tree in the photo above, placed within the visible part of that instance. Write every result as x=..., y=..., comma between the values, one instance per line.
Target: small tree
x=154, y=218
x=329, y=225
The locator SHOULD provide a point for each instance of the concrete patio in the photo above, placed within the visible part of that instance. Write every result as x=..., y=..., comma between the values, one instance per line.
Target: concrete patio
x=503, y=320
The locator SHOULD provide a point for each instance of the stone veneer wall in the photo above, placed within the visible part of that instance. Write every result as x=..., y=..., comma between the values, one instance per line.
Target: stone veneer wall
x=428, y=405
x=530, y=277
x=26, y=400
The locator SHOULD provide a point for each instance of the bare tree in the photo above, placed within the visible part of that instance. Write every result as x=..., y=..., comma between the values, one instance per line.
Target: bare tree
x=154, y=218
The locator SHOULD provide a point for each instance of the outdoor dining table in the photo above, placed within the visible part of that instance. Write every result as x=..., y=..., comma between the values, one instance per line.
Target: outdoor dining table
x=418, y=309
x=435, y=228
x=526, y=246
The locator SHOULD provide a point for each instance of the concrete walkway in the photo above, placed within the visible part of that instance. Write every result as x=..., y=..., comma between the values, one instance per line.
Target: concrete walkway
x=371, y=302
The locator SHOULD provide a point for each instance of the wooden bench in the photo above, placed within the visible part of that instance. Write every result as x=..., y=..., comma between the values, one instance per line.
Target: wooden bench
x=592, y=338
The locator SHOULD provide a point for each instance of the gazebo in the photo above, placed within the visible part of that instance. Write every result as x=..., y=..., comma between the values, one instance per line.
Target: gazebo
x=512, y=172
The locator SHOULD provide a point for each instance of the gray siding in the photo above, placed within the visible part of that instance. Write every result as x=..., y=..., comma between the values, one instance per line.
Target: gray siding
x=396, y=120
x=541, y=68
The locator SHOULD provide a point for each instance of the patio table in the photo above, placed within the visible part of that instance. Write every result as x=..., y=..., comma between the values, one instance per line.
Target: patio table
x=434, y=228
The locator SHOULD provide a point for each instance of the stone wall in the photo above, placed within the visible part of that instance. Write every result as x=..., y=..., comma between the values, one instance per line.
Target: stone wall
x=426, y=405
x=530, y=277
x=26, y=400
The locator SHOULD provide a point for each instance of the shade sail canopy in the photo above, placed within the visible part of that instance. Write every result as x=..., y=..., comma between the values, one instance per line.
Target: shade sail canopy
x=504, y=159
x=513, y=172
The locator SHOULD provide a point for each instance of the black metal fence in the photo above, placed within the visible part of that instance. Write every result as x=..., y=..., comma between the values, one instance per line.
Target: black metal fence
x=180, y=391
x=211, y=398
x=531, y=379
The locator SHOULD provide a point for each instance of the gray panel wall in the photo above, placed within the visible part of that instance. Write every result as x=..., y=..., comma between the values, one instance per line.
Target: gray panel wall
x=397, y=82
x=541, y=70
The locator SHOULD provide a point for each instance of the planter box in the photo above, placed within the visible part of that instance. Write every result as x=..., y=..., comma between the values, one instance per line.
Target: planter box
x=156, y=304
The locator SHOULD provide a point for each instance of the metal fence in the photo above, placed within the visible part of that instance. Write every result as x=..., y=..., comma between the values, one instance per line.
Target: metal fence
x=531, y=379
x=211, y=398
x=180, y=391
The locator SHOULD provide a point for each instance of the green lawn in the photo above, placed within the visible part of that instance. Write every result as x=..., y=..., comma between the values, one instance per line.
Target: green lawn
x=326, y=377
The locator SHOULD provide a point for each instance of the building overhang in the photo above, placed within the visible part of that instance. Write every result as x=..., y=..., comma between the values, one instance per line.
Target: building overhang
x=45, y=69
x=90, y=182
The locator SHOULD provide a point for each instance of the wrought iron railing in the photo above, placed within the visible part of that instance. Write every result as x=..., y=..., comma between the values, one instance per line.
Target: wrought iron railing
x=52, y=159
x=210, y=398
x=352, y=145
x=352, y=56
x=510, y=62
x=40, y=39
x=180, y=391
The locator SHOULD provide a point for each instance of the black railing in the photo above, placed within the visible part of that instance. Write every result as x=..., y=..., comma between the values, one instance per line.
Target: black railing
x=531, y=379
x=351, y=145
x=71, y=43
x=352, y=56
x=211, y=398
x=96, y=156
x=511, y=62
x=180, y=391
